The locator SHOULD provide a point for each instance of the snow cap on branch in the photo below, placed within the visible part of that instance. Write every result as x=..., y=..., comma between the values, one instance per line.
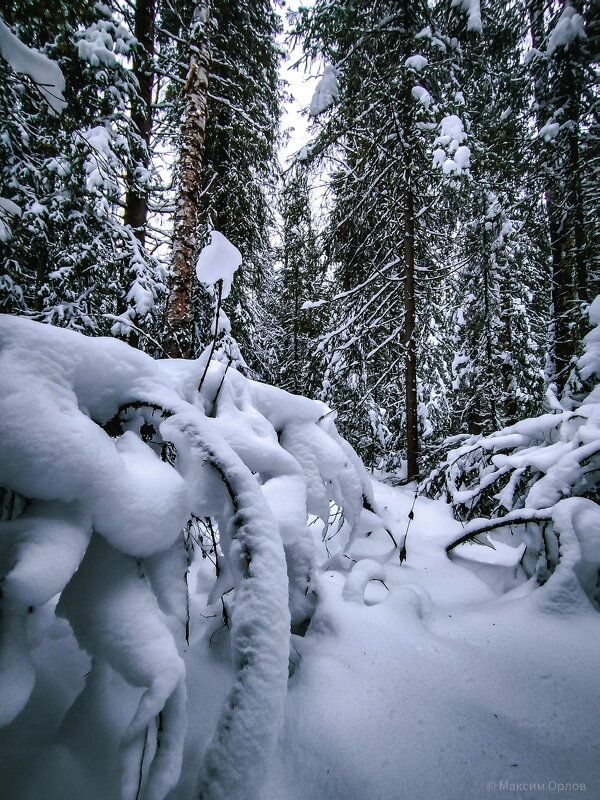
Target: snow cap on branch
x=416, y=62
x=218, y=261
x=453, y=155
x=326, y=93
x=568, y=28
x=473, y=10
x=44, y=72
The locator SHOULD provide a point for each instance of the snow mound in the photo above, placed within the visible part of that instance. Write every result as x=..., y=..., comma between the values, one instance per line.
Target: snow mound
x=111, y=461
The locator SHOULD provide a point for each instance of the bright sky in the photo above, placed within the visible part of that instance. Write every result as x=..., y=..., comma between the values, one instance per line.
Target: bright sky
x=301, y=88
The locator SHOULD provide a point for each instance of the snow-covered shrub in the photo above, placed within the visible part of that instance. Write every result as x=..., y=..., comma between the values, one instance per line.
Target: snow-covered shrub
x=106, y=457
x=539, y=477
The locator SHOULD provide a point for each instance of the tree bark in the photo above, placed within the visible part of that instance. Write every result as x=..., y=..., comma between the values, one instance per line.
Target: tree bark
x=136, y=209
x=410, y=363
x=564, y=204
x=179, y=311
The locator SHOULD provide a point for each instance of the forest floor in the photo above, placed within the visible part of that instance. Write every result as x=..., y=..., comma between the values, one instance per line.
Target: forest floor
x=442, y=687
x=450, y=680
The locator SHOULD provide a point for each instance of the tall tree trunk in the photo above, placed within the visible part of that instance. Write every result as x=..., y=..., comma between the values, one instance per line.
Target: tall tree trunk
x=136, y=204
x=410, y=363
x=179, y=311
x=136, y=209
x=564, y=205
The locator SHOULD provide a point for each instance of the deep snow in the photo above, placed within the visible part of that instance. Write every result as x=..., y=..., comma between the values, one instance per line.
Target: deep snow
x=441, y=688
x=435, y=687
x=438, y=678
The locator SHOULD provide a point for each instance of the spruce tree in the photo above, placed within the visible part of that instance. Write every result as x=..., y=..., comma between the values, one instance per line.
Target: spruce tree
x=238, y=175
x=563, y=64
x=393, y=65
x=67, y=174
x=297, y=282
x=499, y=325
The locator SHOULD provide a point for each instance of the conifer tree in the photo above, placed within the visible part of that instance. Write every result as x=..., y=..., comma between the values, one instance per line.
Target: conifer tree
x=563, y=62
x=66, y=173
x=393, y=67
x=297, y=282
x=499, y=335
x=236, y=182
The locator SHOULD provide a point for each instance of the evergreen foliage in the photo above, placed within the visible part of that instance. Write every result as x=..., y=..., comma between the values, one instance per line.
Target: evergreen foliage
x=239, y=171
x=69, y=259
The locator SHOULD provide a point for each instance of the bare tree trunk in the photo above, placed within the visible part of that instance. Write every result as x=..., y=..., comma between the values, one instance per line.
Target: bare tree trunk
x=136, y=204
x=179, y=311
x=410, y=363
x=564, y=206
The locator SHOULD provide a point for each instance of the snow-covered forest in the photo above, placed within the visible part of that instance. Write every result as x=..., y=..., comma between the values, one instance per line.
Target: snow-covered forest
x=299, y=455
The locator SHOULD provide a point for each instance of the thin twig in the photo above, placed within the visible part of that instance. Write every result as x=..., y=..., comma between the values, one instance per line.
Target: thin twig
x=411, y=516
x=214, y=341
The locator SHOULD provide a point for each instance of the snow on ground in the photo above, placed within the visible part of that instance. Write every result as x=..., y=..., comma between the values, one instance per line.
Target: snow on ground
x=435, y=679
x=437, y=687
x=440, y=688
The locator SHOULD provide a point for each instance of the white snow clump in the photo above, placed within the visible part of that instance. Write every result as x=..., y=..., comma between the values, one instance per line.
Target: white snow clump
x=549, y=131
x=421, y=95
x=326, y=93
x=218, y=261
x=416, y=62
x=473, y=10
x=8, y=209
x=44, y=72
x=451, y=154
x=568, y=28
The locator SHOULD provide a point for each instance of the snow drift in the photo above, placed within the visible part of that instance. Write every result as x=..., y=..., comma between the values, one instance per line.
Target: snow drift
x=109, y=460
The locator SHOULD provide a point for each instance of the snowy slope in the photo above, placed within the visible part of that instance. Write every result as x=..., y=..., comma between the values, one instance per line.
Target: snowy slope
x=428, y=691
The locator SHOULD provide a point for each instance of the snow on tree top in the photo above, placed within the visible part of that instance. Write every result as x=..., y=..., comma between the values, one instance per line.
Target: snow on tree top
x=473, y=11
x=326, y=92
x=568, y=28
x=218, y=261
x=46, y=74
